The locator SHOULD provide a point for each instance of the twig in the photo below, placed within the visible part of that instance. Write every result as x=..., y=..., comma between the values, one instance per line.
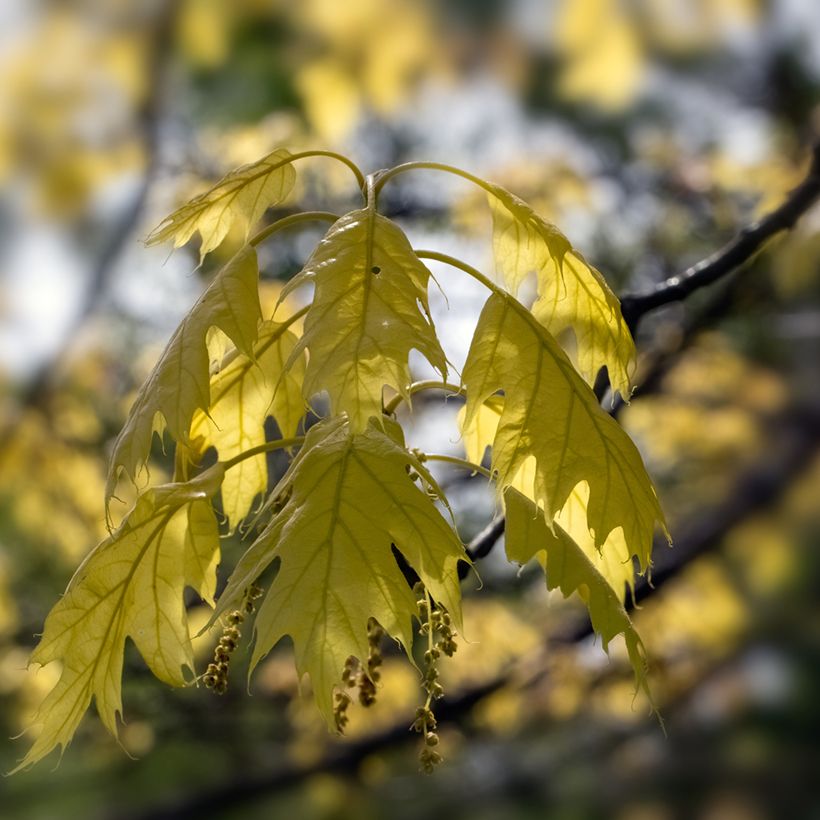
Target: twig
x=732, y=256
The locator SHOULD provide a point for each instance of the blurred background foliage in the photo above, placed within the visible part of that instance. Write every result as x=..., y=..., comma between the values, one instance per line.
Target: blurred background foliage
x=650, y=131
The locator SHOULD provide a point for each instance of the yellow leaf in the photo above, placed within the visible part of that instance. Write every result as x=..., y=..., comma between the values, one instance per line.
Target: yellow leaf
x=179, y=384
x=552, y=416
x=244, y=194
x=571, y=293
x=350, y=500
x=243, y=394
x=369, y=310
x=130, y=585
x=613, y=560
x=569, y=569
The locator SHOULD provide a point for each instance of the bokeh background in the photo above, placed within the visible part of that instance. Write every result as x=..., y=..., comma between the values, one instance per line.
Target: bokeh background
x=650, y=131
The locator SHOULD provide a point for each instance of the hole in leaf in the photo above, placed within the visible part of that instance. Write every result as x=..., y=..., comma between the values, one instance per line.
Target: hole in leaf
x=376, y=269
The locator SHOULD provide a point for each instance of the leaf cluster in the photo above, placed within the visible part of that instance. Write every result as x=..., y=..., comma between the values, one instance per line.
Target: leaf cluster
x=357, y=517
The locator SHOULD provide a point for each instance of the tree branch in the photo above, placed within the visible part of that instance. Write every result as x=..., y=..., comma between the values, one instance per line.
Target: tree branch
x=732, y=256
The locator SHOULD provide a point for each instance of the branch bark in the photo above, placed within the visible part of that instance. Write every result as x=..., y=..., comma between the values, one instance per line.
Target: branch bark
x=732, y=256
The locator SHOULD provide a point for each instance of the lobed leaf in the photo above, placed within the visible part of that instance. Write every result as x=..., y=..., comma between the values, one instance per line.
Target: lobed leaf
x=243, y=394
x=552, y=416
x=370, y=308
x=350, y=500
x=179, y=383
x=568, y=568
x=242, y=195
x=613, y=559
x=130, y=585
x=571, y=293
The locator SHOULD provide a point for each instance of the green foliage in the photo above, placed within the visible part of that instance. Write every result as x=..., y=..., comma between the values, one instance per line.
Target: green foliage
x=569, y=568
x=180, y=382
x=369, y=309
x=349, y=500
x=243, y=195
x=572, y=295
x=130, y=585
x=357, y=515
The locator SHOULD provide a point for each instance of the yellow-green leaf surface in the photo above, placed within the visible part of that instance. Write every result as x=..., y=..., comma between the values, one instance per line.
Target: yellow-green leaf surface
x=571, y=293
x=130, y=585
x=243, y=394
x=613, y=560
x=569, y=569
x=179, y=383
x=350, y=499
x=552, y=416
x=244, y=194
x=369, y=311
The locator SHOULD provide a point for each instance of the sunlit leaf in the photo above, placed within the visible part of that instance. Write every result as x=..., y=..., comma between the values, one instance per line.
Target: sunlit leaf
x=242, y=195
x=369, y=310
x=569, y=569
x=571, y=293
x=243, y=394
x=613, y=559
x=130, y=585
x=350, y=500
x=551, y=415
x=179, y=383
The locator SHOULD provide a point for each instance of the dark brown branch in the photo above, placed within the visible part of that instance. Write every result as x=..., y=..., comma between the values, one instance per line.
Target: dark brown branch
x=732, y=256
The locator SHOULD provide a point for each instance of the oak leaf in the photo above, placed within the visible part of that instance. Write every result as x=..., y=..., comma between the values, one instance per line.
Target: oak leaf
x=370, y=308
x=244, y=194
x=180, y=381
x=130, y=585
x=243, y=394
x=569, y=568
x=350, y=501
x=612, y=559
x=571, y=293
x=552, y=416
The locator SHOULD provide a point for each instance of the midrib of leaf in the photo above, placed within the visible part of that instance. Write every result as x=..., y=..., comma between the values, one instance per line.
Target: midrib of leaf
x=129, y=577
x=90, y=672
x=327, y=543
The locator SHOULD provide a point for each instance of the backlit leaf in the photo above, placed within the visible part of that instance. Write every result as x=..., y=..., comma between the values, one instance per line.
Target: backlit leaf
x=179, y=383
x=350, y=499
x=243, y=394
x=571, y=293
x=369, y=310
x=130, y=585
x=613, y=559
x=569, y=569
x=244, y=194
x=551, y=415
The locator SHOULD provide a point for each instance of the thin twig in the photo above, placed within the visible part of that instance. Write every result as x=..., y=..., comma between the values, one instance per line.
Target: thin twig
x=732, y=256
